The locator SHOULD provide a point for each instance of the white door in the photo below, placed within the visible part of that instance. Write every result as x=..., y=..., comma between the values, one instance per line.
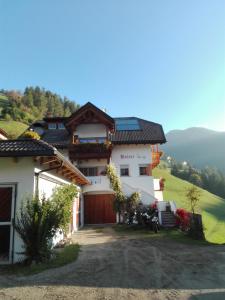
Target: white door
x=7, y=196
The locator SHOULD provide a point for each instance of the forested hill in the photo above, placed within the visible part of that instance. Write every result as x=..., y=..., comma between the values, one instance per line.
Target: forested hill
x=199, y=146
x=33, y=104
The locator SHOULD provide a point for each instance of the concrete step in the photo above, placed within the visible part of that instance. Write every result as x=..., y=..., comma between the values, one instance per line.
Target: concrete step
x=168, y=219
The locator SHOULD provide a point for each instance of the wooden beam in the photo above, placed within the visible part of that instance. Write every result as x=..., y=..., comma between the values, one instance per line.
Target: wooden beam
x=49, y=161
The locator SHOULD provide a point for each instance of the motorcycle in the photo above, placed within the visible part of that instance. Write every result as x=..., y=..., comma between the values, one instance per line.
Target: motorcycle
x=154, y=220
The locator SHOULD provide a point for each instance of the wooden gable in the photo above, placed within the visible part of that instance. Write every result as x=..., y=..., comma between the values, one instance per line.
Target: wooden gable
x=89, y=114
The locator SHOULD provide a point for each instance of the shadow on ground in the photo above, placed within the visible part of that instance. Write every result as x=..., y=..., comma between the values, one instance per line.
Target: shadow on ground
x=109, y=260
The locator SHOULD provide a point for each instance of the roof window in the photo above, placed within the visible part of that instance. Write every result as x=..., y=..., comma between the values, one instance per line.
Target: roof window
x=127, y=124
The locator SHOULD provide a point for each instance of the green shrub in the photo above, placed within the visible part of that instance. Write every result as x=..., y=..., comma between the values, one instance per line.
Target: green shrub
x=31, y=135
x=36, y=224
x=38, y=221
x=62, y=200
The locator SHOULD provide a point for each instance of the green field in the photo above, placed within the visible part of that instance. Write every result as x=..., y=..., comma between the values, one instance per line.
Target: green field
x=211, y=207
x=13, y=128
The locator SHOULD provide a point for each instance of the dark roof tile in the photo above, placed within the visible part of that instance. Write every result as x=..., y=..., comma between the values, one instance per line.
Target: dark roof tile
x=25, y=147
x=149, y=133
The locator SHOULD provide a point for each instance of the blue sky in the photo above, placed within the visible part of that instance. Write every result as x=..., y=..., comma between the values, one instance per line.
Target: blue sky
x=162, y=60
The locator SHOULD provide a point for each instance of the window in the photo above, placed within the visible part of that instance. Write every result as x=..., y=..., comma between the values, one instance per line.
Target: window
x=127, y=124
x=89, y=171
x=61, y=126
x=143, y=170
x=88, y=140
x=52, y=126
x=124, y=170
x=99, y=140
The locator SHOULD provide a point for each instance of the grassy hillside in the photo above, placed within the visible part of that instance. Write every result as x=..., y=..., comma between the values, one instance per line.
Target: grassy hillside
x=13, y=128
x=3, y=102
x=211, y=207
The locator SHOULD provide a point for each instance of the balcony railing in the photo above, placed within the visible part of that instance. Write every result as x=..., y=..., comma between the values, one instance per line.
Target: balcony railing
x=89, y=150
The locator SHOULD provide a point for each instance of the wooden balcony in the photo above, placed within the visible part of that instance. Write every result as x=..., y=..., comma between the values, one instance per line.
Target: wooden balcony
x=90, y=151
x=156, y=155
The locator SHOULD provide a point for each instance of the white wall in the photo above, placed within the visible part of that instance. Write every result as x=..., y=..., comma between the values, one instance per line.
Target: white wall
x=133, y=156
x=92, y=163
x=20, y=172
x=90, y=130
x=48, y=182
x=100, y=184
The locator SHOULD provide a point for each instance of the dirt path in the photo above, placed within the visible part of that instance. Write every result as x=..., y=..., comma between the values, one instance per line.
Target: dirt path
x=111, y=266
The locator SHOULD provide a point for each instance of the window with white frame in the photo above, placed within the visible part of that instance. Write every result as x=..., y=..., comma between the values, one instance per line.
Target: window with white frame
x=61, y=126
x=52, y=126
x=124, y=170
x=143, y=170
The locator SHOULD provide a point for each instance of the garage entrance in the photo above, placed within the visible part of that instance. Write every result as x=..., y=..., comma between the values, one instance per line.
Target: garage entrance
x=6, y=216
x=98, y=209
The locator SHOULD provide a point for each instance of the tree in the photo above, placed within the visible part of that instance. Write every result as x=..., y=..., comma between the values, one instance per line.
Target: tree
x=193, y=195
x=196, y=179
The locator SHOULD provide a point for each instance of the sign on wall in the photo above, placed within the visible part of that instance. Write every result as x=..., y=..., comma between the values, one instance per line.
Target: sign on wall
x=132, y=156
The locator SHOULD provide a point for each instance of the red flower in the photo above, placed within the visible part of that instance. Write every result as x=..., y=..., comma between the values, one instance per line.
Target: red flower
x=182, y=218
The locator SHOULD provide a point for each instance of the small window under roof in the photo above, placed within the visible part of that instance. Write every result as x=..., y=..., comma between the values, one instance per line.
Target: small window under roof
x=127, y=124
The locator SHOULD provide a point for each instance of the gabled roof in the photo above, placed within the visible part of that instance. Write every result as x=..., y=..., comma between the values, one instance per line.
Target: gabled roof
x=37, y=148
x=145, y=133
x=78, y=116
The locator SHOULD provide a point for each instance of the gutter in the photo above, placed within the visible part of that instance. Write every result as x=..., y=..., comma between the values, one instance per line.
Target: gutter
x=37, y=174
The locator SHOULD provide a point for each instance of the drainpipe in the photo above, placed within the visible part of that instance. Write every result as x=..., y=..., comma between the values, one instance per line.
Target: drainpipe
x=37, y=174
x=13, y=223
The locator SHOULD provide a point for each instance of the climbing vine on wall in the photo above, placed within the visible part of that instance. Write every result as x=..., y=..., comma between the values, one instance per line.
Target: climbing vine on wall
x=122, y=203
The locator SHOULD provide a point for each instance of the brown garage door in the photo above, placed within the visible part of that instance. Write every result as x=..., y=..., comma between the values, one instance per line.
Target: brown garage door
x=98, y=209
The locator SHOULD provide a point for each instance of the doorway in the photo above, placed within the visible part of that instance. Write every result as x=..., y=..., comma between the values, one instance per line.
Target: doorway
x=7, y=193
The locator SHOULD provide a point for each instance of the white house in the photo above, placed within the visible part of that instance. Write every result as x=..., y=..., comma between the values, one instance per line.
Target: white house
x=25, y=166
x=91, y=139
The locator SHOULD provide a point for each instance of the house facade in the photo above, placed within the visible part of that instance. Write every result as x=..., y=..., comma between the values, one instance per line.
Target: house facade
x=90, y=139
x=28, y=166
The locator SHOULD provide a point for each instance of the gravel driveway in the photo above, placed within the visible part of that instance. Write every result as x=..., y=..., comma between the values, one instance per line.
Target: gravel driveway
x=115, y=266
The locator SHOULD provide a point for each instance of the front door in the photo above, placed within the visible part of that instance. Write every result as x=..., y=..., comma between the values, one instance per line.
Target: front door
x=6, y=217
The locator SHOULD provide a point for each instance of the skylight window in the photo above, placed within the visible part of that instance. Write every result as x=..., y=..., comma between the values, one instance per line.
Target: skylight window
x=127, y=124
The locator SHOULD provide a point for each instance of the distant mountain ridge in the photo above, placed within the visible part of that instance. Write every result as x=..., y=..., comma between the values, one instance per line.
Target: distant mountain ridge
x=200, y=146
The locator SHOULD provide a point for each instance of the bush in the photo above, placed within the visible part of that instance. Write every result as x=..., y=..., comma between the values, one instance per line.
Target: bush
x=38, y=221
x=31, y=135
x=183, y=219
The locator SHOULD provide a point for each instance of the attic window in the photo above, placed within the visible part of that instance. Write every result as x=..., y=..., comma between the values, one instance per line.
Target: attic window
x=52, y=126
x=61, y=126
x=127, y=124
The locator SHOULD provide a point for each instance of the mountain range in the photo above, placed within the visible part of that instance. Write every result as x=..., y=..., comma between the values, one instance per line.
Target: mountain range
x=200, y=147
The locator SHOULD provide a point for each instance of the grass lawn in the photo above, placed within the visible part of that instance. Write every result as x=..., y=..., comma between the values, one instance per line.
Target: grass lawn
x=63, y=256
x=13, y=128
x=211, y=207
x=173, y=234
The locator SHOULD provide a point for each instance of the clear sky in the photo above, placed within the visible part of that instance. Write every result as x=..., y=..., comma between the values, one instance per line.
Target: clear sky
x=162, y=60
